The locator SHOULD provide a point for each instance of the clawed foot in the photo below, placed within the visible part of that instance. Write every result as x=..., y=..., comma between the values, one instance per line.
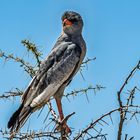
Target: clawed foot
x=63, y=127
x=66, y=128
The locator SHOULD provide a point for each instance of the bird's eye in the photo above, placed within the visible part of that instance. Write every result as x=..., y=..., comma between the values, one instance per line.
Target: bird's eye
x=73, y=20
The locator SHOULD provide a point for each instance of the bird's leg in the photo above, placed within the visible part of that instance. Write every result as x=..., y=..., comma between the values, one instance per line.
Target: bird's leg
x=59, y=106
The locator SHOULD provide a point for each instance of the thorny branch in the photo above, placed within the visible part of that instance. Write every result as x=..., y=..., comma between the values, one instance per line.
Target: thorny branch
x=26, y=66
x=126, y=82
x=32, y=48
x=84, y=90
x=123, y=112
x=73, y=93
x=81, y=135
x=31, y=70
x=11, y=94
x=87, y=61
x=123, y=109
x=92, y=125
x=32, y=135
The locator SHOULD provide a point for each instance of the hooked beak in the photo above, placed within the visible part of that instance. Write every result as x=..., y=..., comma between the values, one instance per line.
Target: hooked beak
x=66, y=22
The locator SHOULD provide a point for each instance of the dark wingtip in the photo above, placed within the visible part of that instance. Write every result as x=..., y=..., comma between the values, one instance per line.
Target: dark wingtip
x=14, y=117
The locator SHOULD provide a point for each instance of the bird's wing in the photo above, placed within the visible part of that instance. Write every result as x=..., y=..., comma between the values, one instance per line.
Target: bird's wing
x=55, y=71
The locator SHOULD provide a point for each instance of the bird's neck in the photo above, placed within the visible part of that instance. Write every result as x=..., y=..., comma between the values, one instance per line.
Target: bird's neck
x=72, y=37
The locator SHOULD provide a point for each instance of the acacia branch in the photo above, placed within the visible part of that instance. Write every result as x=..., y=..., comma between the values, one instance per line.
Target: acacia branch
x=11, y=94
x=27, y=67
x=32, y=48
x=92, y=124
x=122, y=113
x=100, y=119
x=32, y=135
x=73, y=93
x=84, y=90
x=87, y=61
x=126, y=82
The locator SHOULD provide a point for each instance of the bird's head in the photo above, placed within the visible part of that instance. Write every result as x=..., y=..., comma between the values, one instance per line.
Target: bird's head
x=72, y=23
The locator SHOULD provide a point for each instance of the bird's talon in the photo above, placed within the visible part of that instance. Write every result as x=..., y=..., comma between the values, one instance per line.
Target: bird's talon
x=67, y=129
x=63, y=127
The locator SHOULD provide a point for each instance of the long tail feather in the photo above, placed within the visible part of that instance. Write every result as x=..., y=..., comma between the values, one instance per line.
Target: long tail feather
x=14, y=117
x=19, y=118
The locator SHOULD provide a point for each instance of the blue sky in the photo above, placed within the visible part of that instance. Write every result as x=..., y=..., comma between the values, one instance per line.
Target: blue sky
x=112, y=34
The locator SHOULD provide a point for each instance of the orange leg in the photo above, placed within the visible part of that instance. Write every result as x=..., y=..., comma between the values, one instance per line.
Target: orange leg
x=59, y=106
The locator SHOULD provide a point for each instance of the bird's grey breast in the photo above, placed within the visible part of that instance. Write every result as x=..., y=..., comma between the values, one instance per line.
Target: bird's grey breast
x=81, y=43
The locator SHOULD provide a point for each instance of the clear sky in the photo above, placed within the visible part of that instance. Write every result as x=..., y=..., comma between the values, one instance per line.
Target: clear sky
x=112, y=34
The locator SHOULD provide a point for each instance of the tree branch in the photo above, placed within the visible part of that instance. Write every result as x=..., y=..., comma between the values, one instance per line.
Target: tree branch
x=122, y=113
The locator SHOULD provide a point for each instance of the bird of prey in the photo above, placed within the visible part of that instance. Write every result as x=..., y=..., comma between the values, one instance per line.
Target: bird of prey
x=55, y=72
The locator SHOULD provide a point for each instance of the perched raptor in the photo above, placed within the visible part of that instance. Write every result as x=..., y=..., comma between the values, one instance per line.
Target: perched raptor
x=55, y=72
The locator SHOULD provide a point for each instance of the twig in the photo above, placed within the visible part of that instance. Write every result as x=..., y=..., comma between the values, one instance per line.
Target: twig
x=32, y=135
x=84, y=90
x=32, y=47
x=122, y=113
x=93, y=123
x=11, y=94
x=88, y=60
x=27, y=67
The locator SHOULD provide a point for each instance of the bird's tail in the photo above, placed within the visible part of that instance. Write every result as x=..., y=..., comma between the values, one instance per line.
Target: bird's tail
x=19, y=118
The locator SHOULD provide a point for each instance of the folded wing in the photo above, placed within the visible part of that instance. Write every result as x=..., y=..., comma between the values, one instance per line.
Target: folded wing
x=55, y=71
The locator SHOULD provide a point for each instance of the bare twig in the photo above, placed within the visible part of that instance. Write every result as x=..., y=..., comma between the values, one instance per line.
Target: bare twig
x=52, y=111
x=11, y=94
x=93, y=123
x=84, y=90
x=32, y=135
x=27, y=67
x=73, y=93
x=32, y=48
x=122, y=113
x=87, y=61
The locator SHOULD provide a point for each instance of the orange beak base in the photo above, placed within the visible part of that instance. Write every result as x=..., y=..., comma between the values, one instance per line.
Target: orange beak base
x=67, y=22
